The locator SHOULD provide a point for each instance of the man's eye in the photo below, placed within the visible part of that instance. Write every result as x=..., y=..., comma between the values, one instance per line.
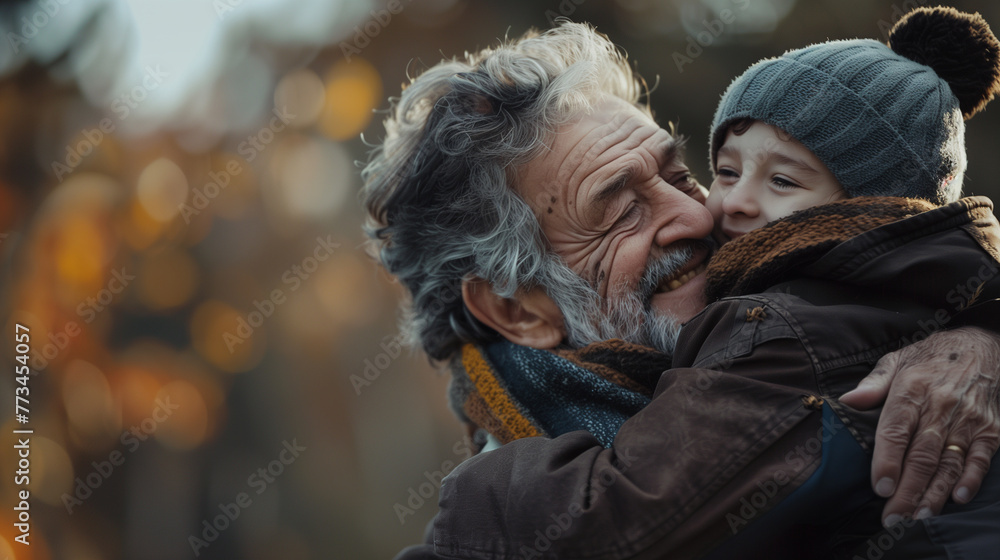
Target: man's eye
x=631, y=212
x=684, y=181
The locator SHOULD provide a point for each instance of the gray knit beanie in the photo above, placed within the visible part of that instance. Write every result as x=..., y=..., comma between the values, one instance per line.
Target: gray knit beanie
x=885, y=121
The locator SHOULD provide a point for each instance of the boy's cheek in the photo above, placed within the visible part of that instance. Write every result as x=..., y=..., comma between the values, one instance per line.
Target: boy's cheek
x=714, y=205
x=719, y=237
x=713, y=202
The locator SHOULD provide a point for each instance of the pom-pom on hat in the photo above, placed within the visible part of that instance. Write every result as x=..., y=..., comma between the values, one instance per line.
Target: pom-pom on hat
x=886, y=120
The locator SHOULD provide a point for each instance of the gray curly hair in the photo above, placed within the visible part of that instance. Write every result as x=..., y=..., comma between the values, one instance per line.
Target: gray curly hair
x=439, y=190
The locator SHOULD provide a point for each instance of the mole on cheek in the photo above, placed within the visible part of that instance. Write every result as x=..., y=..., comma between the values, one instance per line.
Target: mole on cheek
x=550, y=209
x=600, y=278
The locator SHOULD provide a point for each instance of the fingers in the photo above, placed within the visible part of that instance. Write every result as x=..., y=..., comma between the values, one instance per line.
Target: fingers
x=959, y=474
x=948, y=473
x=895, y=428
x=874, y=388
x=922, y=462
x=977, y=464
x=935, y=410
x=866, y=395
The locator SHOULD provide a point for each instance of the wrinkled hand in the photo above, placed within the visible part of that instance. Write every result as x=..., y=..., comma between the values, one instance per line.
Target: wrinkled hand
x=939, y=392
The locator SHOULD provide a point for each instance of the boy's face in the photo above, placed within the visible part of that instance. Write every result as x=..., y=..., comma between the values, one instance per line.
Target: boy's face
x=763, y=175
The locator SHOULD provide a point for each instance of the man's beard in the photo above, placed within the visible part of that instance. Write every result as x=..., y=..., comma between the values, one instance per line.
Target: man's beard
x=591, y=318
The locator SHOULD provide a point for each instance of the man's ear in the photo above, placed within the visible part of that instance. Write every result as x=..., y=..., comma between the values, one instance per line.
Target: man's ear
x=531, y=318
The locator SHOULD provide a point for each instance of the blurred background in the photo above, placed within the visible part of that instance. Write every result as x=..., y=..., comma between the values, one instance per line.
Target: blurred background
x=216, y=368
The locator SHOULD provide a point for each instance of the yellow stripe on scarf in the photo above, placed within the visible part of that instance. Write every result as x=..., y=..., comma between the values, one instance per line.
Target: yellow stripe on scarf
x=495, y=396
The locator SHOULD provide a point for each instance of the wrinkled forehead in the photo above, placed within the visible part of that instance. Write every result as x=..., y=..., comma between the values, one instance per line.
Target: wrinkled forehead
x=612, y=131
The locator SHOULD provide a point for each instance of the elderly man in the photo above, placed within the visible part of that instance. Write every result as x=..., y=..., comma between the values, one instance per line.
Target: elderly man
x=512, y=178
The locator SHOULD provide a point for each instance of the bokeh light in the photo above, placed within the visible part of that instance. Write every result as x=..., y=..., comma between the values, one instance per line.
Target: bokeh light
x=80, y=252
x=90, y=407
x=161, y=189
x=302, y=93
x=239, y=197
x=138, y=227
x=313, y=178
x=5, y=549
x=341, y=287
x=188, y=425
x=225, y=338
x=353, y=90
x=136, y=388
x=167, y=278
x=52, y=471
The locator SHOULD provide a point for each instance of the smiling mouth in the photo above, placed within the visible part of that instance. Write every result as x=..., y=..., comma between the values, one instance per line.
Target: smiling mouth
x=679, y=278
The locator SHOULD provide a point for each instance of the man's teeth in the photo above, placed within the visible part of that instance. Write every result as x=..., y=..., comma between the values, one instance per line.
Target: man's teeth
x=683, y=279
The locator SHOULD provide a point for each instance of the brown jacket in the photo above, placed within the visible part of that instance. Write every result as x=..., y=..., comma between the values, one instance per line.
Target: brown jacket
x=740, y=409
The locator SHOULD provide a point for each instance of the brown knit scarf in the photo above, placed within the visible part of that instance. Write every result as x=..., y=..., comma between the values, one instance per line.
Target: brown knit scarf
x=767, y=256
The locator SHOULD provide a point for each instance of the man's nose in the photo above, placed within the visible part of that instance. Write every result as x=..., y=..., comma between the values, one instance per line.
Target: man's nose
x=680, y=217
x=741, y=200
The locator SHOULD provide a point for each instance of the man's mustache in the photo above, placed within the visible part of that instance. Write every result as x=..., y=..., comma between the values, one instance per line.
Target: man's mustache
x=668, y=264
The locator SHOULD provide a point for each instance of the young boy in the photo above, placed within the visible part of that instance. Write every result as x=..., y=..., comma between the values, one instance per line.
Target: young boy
x=827, y=161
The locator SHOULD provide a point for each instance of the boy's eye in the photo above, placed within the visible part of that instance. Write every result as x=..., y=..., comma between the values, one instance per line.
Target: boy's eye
x=727, y=172
x=783, y=183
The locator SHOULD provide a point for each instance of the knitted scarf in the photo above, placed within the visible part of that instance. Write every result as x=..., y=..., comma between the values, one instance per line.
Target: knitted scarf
x=774, y=253
x=515, y=391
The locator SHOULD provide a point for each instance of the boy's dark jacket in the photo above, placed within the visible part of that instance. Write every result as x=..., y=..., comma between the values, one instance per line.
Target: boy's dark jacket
x=813, y=302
